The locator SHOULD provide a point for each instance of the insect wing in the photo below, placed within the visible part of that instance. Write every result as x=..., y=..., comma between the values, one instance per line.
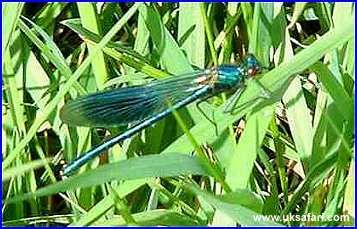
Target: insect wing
x=130, y=104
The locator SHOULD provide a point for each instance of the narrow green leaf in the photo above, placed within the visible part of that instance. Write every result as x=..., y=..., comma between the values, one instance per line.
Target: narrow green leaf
x=342, y=100
x=117, y=51
x=300, y=120
x=191, y=33
x=10, y=13
x=135, y=168
x=242, y=160
x=237, y=212
x=158, y=217
x=90, y=21
x=19, y=171
x=171, y=57
x=298, y=10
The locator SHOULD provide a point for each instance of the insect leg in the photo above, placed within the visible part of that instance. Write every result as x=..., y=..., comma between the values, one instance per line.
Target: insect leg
x=206, y=116
x=229, y=107
x=266, y=93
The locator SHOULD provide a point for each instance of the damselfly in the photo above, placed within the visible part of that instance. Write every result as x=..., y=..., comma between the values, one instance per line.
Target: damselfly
x=149, y=103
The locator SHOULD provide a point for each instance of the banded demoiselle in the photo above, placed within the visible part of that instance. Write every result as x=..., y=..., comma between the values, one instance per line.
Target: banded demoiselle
x=149, y=103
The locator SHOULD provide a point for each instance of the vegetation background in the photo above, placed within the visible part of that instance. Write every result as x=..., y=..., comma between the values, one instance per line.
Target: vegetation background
x=290, y=154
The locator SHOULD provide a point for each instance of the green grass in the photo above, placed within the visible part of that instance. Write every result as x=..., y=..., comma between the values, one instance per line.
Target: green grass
x=290, y=154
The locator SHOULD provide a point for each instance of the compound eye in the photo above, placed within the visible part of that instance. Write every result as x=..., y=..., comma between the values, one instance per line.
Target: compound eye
x=251, y=60
x=253, y=71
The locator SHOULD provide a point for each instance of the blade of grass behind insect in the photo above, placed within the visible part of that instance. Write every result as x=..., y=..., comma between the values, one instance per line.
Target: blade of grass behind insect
x=230, y=25
x=30, y=73
x=247, y=11
x=91, y=22
x=49, y=50
x=300, y=120
x=172, y=195
x=208, y=29
x=280, y=36
x=330, y=135
x=338, y=129
x=323, y=11
x=117, y=51
x=279, y=149
x=50, y=173
x=343, y=12
x=320, y=126
x=123, y=209
x=214, y=171
x=47, y=16
x=289, y=153
x=53, y=104
x=261, y=40
x=107, y=203
x=10, y=13
x=242, y=197
x=272, y=203
x=335, y=196
x=342, y=100
x=141, y=44
x=349, y=203
x=171, y=57
x=191, y=33
x=349, y=62
x=17, y=128
x=191, y=36
x=19, y=171
x=315, y=176
x=13, y=95
x=240, y=214
x=298, y=10
x=339, y=133
x=242, y=161
x=233, y=14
